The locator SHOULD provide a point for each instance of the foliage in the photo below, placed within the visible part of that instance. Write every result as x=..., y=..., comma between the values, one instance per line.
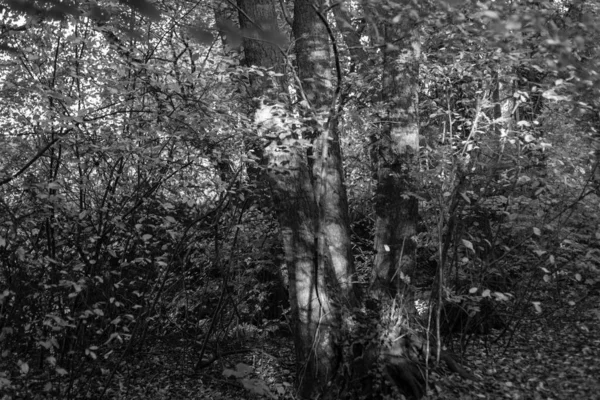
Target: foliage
x=135, y=226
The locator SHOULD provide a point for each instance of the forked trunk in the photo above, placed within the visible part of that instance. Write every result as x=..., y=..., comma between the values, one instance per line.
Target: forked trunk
x=308, y=192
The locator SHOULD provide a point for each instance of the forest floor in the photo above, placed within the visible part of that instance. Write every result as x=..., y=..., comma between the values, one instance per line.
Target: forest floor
x=552, y=357
x=553, y=354
x=550, y=351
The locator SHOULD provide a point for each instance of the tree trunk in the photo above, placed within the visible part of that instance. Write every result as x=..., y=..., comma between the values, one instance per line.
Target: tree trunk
x=314, y=70
x=333, y=260
x=393, y=149
x=308, y=191
x=396, y=147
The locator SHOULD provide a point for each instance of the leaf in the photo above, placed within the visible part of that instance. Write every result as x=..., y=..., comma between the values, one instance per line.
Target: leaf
x=513, y=25
x=490, y=14
x=486, y=293
x=386, y=247
x=578, y=277
x=473, y=290
x=24, y=368
x=280, y=389
x=468, y=245
x=45, y=344
x=500, y=296
x=227, y=372
x=258, y=387
x=241, y=370
x=244, y=368
x=537, y=306
x=537, y=231
x=90, y=353
x=146, y=237
x=465, y=197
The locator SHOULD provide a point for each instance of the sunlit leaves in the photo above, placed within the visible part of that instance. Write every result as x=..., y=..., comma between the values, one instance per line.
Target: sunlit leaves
x=468, y=244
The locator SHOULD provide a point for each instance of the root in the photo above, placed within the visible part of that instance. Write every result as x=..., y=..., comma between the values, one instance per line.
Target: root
x=456, y=367
x=407, y=376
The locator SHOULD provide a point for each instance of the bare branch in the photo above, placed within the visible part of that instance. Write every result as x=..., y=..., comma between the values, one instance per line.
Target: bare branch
x=34, y=159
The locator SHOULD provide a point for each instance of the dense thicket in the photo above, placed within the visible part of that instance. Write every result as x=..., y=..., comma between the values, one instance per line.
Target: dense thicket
x=382, y=185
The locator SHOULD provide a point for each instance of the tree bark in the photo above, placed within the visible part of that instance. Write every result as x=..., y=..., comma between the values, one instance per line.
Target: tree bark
x=396, y=147
x=309, y=192
x=314, y=70
x=393, y=149
x=333, y=262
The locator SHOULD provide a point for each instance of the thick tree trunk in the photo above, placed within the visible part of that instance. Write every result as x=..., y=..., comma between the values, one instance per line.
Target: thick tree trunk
x=316, y=321
x=333, y=260
x=396, y=147
x=308, y=192
x=314, y=70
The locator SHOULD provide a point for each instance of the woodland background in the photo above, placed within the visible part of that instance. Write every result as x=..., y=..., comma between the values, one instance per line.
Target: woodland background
x=298, y=199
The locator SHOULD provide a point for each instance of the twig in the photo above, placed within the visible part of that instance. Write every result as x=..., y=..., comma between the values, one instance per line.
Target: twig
x=285, y=14
x=34, y=159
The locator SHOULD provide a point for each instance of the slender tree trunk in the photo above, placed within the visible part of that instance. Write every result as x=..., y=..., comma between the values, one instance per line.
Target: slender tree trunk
x=343, y=21
x=497, y=111
x=394, y=149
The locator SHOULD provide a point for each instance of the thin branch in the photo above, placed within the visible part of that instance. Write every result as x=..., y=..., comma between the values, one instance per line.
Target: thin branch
x=285, y=14
x=336, y=54
x=34, y=159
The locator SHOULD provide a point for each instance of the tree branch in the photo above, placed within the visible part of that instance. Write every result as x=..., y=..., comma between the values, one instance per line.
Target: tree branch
x=34, y=159
x=285, y=14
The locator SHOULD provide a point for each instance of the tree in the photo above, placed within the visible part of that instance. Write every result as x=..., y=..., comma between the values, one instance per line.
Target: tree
x=394, y=150
x=136, y=155
x=304, y=167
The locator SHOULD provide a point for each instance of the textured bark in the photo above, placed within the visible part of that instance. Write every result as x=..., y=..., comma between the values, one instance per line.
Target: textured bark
x=224, y=12
x=258, y=22
x=343, y=21
x=310, y=196
x=314, y=70
x=316, y=320
x=396, y=147
x=333, y=261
